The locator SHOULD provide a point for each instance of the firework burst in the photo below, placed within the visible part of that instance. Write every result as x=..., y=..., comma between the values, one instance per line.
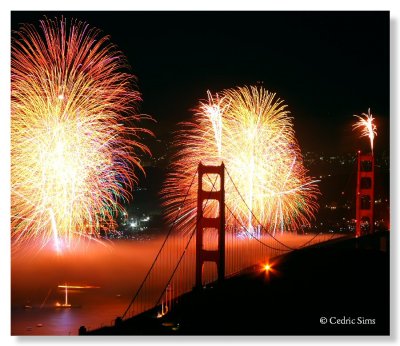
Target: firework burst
x=73, y=138
x=368, y=128
x=251, y=132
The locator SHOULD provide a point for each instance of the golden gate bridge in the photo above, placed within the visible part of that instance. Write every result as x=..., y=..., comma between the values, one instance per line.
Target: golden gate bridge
x=212, y=251
x=185, y=261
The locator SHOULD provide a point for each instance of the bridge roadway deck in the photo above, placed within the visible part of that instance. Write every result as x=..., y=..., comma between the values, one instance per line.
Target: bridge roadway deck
x=346, y=280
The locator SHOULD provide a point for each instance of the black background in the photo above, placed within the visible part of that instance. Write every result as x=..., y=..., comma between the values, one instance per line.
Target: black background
x=327, y=66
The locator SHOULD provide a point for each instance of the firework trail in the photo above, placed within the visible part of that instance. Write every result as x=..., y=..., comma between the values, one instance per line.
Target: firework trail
x=252, y=133
x=73, y=138
x=367, y=126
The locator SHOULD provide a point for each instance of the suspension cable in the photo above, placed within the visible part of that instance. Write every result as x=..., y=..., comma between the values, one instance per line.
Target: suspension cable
x=246, y=230
x=350, y=174
x=252, y=235
x=186, y=247
x=263, y=227
x=252, y=214
x=161, y=248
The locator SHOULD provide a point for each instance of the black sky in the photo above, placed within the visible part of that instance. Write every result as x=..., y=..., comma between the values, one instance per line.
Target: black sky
x=327, y=66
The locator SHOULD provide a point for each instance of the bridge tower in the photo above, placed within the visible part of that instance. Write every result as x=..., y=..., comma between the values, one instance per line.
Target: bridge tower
x=204, y=223
x=365, y=192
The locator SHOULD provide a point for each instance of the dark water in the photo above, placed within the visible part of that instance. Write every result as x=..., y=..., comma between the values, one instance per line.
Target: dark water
x=116, y=269
x=51, y=321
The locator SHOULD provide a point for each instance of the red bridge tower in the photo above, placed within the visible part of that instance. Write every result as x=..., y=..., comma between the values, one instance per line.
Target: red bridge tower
x=204, y=223
x=365, y=194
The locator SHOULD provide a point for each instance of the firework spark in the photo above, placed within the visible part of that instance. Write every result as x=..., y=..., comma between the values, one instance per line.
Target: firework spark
x=73, y=138
x=367, y=126
x=252, y=133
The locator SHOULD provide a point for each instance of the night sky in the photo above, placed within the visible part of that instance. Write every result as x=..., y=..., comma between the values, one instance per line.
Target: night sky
x=327, y=66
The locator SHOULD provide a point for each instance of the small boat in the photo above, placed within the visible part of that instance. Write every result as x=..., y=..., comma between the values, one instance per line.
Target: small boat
x=39, y=325
x=66, y=304
x=27, y=305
